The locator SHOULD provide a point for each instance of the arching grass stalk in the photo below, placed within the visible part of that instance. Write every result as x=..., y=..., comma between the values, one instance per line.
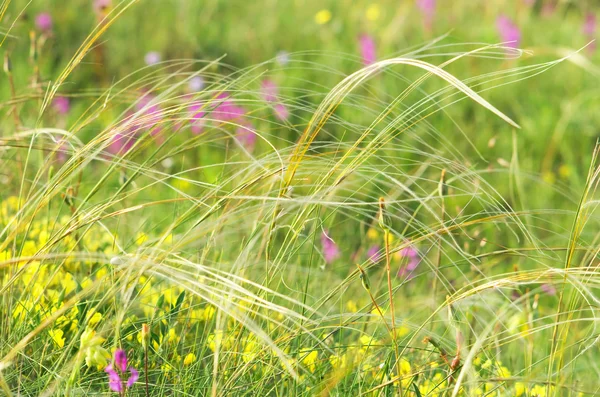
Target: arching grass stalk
x=385, y=224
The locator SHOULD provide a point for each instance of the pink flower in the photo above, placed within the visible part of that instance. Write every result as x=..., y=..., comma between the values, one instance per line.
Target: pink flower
x=246, y=135
x=281, y=112
x=548, y=289
x=427, y=8
x=197, y=120
x=118, y=368
x=373, y=253
x=367, y=49
x=330, y=249
x=122, y=142
x=152, y=58
x=269, y=90
x=43, y=21
x=509, y=31
x=589, y=26
x=227, y=110
x=100, y=6
x=413, y=261
x=61, y=104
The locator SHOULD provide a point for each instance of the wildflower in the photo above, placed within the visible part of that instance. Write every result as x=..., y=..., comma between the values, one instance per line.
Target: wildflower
x=281, y=112
x=509, y=31
x=427, y=8
x=57, y=337
x=152, y=58
x=246, y=135
x=43, y=22
x=122, y=142
x=548, y=289
x=519, y=389
x=373, y=253
x=101, y=6
x=589, y=25
x=61, y=105
x=91, y=345
x=227, y=110
x=283, y=58
x=268, y=89
x=373, y=12
x=197, y=118
x=117, y=368
x=367, y=49
x=189, y=359
x=413, y=260
x=330, y=249
x=322, y=17
x=310, y=358
x=196, y=83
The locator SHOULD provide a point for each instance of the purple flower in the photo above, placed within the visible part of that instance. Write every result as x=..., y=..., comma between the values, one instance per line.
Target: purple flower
x=197, y=119
x=246, y=135
x=548, y=289
x=61, y=104
x=281, y=112
x=367, y=49
x=227, y=110
x=283, y=58
x=196, y=84
x=589, y=26
x=119, y=368
x=427, y=8
x=152, y=58
x=268, y=89
x=100, y=6
x=509, y=31
x=373, y=253
x=413, y=261
x=330, y=249
x=122, y=142
x=43, y=21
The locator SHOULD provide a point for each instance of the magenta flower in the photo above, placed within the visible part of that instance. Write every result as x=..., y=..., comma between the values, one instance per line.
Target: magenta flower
x=227, y=110
x=43, y=21
x=367, y=49
x=101, y=6
x=413, y=261
x=152, y=58
x=246, y=135
x=589, y=26
x=548, y=289
x=427, y=8
x=373, y=253
x=197, y=119
x=330, y=249
x=196, y=84
x=61, y=104
x=509, y=31
x=119, y=368
x=269, y=90
x=281, y=112
x=122, y=142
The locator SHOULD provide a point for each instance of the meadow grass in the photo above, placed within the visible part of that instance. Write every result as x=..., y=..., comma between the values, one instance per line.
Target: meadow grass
x=421, y=226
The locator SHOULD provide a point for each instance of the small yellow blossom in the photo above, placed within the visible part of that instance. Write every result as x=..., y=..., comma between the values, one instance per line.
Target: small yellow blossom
x=323, y=16
x=309, y=358
x=189, y=359
x=57, y=337
x=373, y=12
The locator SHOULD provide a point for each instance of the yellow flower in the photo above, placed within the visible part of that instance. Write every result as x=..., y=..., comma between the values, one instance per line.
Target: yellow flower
x=310, y=359
x=338, y=361
x=141, y=238
x=189, y=359
x=94, y=318
x=519, y=389
x=323, y=16
x=351, y=306
x=564, y=171
x=91, y=345
x=373, y=12
x=57, y=337
x=503, y=372
x=372, y=234
x=538, y=391
x=209, y=313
